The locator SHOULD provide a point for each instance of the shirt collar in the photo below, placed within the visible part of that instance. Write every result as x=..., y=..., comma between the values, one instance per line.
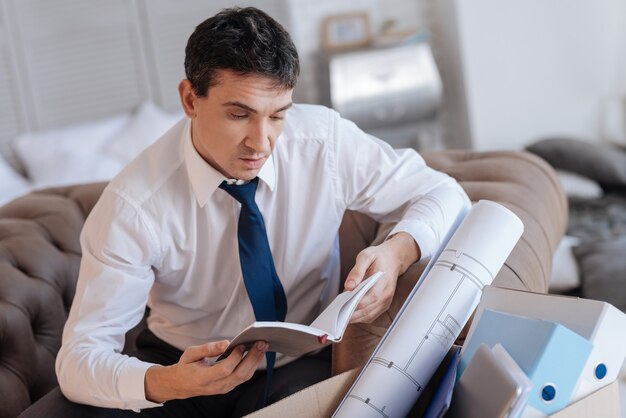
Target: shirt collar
x=205, y=179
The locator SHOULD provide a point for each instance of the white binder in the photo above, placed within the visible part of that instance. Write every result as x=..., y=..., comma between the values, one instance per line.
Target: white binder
x=599, y=322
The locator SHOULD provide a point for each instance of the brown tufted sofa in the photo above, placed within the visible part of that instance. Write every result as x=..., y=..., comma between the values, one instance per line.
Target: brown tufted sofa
x=40, y=255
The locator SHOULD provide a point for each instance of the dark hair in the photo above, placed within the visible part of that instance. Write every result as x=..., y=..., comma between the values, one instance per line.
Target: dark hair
x=243, y=40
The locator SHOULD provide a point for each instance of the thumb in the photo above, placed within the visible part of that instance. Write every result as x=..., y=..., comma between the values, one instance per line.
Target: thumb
x=356, y=275
x=199, y=352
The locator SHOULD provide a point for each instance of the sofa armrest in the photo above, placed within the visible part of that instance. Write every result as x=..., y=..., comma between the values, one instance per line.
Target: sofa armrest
x=39, y=261
x=526, y=185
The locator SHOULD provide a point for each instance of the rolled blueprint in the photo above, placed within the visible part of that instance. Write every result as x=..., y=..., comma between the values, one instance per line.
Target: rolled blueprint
x=434, y=314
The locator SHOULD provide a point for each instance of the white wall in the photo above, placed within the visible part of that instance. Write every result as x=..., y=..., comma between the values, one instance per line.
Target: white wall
x=535, y=68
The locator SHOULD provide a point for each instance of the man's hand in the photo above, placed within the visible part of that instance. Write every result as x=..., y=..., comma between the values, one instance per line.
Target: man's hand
x=393, y=257
x=193, y=376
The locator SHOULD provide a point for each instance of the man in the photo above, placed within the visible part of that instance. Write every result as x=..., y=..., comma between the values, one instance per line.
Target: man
x=170, y=232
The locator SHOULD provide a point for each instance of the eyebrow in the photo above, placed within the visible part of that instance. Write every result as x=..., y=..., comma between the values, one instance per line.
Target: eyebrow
x=249, y=109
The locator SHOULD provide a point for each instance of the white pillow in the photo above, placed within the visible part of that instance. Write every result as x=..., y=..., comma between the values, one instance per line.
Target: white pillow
x=565, y=273
x=72, y=154
x=10, y=177
x=12, y=184
x=579, y=186
x=146, y=126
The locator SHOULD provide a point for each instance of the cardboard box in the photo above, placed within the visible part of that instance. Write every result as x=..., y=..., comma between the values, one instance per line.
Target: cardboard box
x=594, y=320
x=321, y=400
x=601, y=403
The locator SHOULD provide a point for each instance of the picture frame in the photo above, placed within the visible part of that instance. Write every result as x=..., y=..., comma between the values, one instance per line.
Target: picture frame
x=346, y=31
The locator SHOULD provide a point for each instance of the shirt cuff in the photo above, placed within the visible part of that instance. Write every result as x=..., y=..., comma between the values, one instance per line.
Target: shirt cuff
x=131, y=385
x=422, y=233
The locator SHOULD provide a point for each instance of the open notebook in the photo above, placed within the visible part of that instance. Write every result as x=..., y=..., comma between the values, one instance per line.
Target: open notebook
x=297, y=339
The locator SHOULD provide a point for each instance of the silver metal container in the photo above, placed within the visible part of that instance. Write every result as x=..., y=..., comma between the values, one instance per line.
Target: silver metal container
x=389, y=86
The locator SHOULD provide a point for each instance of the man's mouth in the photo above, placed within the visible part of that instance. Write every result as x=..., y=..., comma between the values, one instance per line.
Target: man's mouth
x=253, y=162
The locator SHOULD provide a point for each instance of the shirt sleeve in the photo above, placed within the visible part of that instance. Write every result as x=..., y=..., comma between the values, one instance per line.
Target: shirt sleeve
x=114, y=281
x=395, y=186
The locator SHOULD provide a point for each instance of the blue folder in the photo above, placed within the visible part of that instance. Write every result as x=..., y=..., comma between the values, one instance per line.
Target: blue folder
x=440, y=401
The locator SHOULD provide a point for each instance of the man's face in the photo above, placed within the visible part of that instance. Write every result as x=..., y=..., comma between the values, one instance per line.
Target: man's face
x=235, y=127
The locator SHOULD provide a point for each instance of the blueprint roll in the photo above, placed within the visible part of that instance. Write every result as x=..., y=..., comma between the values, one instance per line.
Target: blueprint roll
x=434, y=314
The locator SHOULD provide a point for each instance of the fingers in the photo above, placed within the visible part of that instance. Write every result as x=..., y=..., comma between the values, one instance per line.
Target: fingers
x=363, y=262
x=239, y=366
x=376, y=301
x=368, y=314
x=239, y=355
x=215, y=348
x=199, y=352
x=227, y=365
x=193, y=376
x=246, y=368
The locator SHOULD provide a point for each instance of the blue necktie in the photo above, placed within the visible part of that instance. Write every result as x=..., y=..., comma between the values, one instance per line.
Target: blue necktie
x=259, y=275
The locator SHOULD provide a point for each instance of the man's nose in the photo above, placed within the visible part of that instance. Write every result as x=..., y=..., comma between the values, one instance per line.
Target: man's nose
x=258, y=137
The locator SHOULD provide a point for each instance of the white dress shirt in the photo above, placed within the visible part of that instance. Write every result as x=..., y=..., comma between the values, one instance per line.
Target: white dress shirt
x=164, y=234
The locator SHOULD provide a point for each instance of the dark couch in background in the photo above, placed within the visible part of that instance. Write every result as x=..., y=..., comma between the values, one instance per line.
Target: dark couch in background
x=40, y=256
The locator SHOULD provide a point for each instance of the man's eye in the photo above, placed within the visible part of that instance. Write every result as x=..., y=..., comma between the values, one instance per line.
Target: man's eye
x=277, y=117
x=238, y=116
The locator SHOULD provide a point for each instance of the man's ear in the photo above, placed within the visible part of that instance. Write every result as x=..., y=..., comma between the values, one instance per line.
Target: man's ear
x=187, y=98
